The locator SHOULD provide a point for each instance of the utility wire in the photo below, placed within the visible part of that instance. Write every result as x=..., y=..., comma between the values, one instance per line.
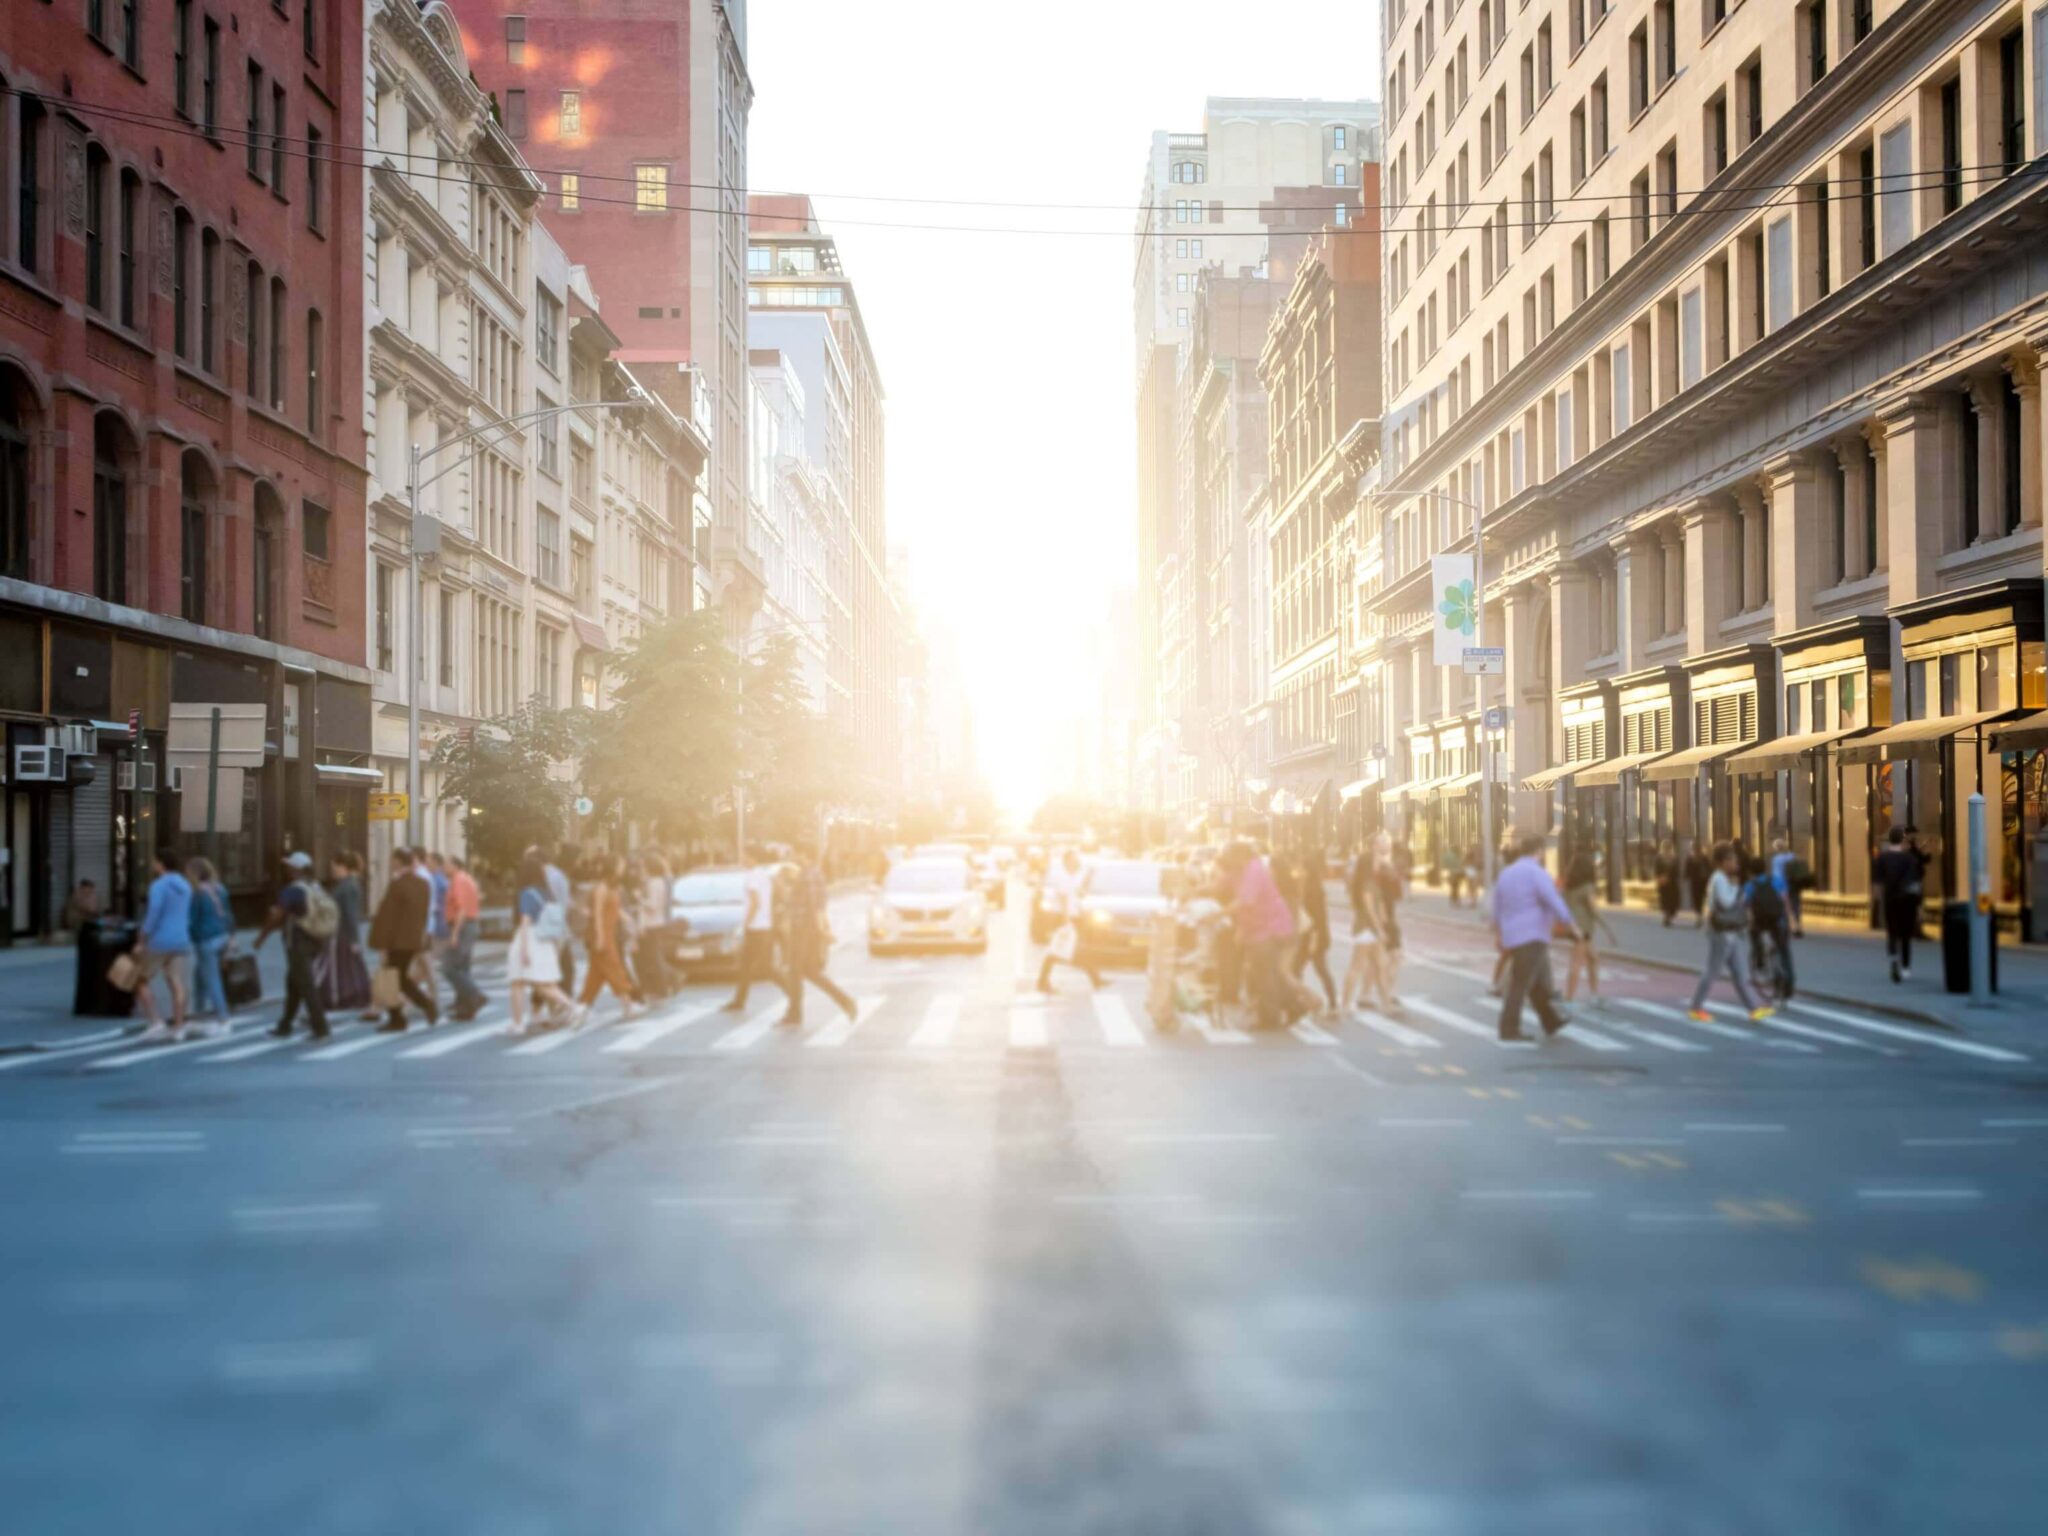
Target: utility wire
x=335, y=152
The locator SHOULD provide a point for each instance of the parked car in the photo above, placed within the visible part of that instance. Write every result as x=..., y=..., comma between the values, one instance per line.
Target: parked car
x=988, y=875
x=1122, y=898
x=928, y=903
x=709, y=910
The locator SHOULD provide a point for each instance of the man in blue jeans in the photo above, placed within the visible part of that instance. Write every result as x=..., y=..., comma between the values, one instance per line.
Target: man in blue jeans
x=1527, y=909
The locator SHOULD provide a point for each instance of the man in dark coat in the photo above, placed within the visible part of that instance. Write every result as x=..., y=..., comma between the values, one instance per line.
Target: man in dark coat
x=399, y=932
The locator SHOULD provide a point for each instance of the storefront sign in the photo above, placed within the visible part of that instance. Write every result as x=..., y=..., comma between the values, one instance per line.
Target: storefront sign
x=388, y=807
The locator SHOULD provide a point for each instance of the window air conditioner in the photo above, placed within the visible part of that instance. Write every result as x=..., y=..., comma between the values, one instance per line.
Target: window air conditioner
x=38, y=765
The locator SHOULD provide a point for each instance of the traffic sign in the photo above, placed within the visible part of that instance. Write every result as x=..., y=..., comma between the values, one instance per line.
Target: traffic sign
x=1496, y=717
x=389, y=807
x=1486, y=660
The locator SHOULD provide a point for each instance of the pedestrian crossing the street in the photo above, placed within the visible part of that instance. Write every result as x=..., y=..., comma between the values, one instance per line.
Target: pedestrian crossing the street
x=903, y=1014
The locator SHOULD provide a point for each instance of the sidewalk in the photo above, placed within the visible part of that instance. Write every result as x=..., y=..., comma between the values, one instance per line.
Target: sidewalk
x=1834, y=965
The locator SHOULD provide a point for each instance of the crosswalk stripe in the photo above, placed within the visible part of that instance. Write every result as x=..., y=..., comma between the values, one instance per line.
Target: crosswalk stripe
x=1312, y=1034
x=839, y=1029
x=644, y=1034
x=1465, y=1026
x=1675, y=1015
x=1786, y=1026
x=750, y=1032
x=1655, y=1037
x=552, y=1040
x=1218, y=1034
x=63, y=1053
x=367, y=1039
x=153, y=1053
x=1907, y=1032
x=941, y=1016
x=1400, y=1034
x=243, y=1052
x=1027, y=1028
x=1592, y=1039
x=452, y=1041
x=1118, y=1029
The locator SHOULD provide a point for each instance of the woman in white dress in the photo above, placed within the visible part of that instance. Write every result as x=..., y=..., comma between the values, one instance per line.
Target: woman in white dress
x=533, y=965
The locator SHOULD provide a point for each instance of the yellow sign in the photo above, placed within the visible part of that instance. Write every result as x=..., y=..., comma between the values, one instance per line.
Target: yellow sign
x=1984, y=902
x=388, y=807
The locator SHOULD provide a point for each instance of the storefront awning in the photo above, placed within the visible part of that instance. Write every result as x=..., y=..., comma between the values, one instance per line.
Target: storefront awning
x=339, y=773
x=2022, y=734
x=1546, y=778
x=589, y=633
x=1785, y=751
x=1457, y=783
x=1415, y=789
x=1680, y=766
x=1356, y=788
x=1917, y=738
x=1604, y=774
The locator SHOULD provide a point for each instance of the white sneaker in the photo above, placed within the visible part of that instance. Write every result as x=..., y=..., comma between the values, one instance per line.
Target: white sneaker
x=211, y=1030
x=156, y=1034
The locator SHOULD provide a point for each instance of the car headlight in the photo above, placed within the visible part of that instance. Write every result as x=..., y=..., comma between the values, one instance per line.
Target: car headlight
x=1100, y=918
x=970, y=915
x=882, y=919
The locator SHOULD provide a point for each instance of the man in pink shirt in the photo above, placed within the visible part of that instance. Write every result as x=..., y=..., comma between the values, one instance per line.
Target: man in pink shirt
x=464, y=909
x=1265, y=926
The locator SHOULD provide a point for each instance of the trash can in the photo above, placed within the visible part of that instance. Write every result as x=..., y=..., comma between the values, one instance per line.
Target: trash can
x=1955, y=948
x=99, y=941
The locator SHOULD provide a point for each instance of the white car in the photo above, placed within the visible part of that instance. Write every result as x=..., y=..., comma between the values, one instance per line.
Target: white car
x=928, y=903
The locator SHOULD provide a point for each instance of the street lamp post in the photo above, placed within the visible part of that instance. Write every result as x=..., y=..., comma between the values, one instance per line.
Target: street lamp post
x=1487, y=850
x=415, y=485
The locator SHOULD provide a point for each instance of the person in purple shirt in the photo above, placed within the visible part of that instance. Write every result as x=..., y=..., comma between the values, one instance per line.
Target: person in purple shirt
x=1265, y=927
x=1527, y=908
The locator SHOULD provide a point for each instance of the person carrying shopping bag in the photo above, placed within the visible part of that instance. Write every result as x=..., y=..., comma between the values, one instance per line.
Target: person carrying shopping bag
x=399, y=933
x=533, y=961
x=1727, y=924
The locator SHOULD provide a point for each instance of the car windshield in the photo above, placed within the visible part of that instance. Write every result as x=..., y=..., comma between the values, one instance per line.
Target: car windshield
x=729, y=889
x=1133, y=878
x=927, y=877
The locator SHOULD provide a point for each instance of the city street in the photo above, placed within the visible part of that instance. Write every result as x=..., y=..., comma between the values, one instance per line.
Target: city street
x=985, y=1263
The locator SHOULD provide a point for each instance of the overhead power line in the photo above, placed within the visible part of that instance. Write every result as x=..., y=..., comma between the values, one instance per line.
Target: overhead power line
x=1662, y=212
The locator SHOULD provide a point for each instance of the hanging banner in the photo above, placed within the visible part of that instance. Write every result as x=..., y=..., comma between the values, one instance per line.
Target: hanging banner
x=1450, y=589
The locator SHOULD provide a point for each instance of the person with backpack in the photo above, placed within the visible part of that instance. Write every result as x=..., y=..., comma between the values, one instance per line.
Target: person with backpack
x=1899, y=874
x=1727, y=924
x=309, y=918
x=1769, y=925
x=1794, y=878
x=398, y=933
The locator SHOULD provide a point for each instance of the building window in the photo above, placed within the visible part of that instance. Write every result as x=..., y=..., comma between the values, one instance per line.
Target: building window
x=127, y=216
x=515, y=114
x=181, y=284
x=209, y=78
x=28, y=183
x=1338, y=135
x=547, y=439
x=277, y=140
x=547, y=667
x=387, y=615
x=547, y=326
x=181, y=56
x=1895, y=161
x=252, y=311
x=209, y=277
x=265, y=568
x=572, y=114
x=309, y=28
x=444, y=640
x=515, y=39
x=97, y=168
x=1951, y=145
x=277, y=344
x=313, y=178
x=313, y=349
x=2012, y=98
x=17, y=528
x=195, y=493
x=253, y=128
x=571, y=191
x=316, y=532
x=111, y=455
x=547, y=533
x=650, y=189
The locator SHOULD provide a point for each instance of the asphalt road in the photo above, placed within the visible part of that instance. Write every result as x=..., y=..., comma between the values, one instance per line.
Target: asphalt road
x=983, y=1265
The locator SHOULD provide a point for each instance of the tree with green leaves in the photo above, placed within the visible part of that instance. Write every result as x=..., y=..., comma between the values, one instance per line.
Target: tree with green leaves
x=506, y=774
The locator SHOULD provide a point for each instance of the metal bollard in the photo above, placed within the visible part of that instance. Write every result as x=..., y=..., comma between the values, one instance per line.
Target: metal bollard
x=1980, y=908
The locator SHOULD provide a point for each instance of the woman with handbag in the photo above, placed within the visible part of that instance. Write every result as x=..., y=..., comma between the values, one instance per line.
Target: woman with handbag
x=533, y=963
x=212, y=928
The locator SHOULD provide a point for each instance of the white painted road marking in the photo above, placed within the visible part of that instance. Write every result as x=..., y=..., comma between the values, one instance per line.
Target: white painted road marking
x=941, y=1017
x=152, y=1053
x=645, y=1033
x=1929, y=1037
x=1311, y=1034
x=1027, y=1027
x=1778, y=1021
x=451, y=1041
x=364, y=1041
x=1400, y=1034
x=1115, y=1019
x=839, y=1030
x=752, y=1032
x=1656, y=1037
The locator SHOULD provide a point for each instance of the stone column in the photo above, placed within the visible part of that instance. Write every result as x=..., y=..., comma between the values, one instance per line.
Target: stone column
x=2024, y=368
x=1572, y=633
x=1878, y=439
x=1796, y=541
x=1709, y=594
x=1638, y=580
x=1671, y=543
x=1913, y=513
x=1982, y=397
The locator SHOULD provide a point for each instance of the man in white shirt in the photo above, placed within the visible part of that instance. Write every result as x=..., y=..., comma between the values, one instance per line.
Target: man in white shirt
x=757, y=939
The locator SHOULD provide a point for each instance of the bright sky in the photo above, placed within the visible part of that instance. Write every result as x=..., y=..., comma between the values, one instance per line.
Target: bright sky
x=1008, y=358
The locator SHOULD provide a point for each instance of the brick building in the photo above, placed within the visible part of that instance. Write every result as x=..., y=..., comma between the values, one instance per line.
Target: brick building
x=181, y=502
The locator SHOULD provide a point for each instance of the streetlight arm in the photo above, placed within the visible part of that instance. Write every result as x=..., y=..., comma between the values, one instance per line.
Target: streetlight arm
x=639, y=396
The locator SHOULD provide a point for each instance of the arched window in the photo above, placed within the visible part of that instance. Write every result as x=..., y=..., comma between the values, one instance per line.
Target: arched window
x=17, y=512
x=195, y=528
x=129, y=220
x=252, y=314
x=266, y=567
x=113, y=458
x=98, y=175
x=277, y=344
